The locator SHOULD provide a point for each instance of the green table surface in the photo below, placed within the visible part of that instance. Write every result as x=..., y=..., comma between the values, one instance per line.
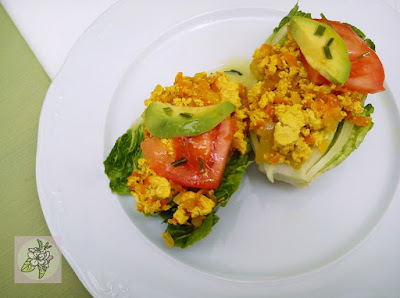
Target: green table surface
x=23, y=86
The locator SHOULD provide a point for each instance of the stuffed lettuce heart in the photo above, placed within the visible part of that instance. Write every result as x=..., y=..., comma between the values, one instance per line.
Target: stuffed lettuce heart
x=185, y=156
x=301, y=122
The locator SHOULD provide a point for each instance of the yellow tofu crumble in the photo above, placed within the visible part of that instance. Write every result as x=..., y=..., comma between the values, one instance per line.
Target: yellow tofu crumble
x=191, y=205
x=154, y=193
x=294, y=114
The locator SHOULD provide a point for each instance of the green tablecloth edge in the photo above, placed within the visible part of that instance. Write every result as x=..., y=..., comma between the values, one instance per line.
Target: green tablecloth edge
x=23, y=87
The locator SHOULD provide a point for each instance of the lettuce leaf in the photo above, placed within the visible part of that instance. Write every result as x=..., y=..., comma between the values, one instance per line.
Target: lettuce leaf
x=345, y=140
x=184, y=235
x=123, y=157
x=279, y=34
x=356, y=137
x=234, y=170
x=368, y=41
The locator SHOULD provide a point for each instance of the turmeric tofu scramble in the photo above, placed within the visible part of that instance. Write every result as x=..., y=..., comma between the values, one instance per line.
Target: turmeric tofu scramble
x=154, y=193
x=291, y=115
x=298, y=105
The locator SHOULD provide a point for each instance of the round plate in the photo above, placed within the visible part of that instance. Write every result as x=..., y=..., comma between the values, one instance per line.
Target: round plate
x=271, y=238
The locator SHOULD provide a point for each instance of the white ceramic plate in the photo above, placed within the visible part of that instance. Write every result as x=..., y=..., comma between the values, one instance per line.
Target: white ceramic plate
x=272, y=239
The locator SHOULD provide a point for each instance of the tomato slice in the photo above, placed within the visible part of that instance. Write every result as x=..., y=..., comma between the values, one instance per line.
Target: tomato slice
x=211, y=147
x=366, y=75
x=313, y=75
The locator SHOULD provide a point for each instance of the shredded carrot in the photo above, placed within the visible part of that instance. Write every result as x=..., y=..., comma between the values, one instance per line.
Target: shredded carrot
x=275, y=159
x=279, y=100
x=142, y=188
x=164, y=202
x=173, y=221
x=289, y=59
x=259, y=124
x=266, y=50
x=270, y=111
x=360, y=120
x=150, y=201
x=309, y=139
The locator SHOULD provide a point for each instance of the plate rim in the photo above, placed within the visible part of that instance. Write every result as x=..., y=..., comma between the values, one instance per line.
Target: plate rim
x=38, y=174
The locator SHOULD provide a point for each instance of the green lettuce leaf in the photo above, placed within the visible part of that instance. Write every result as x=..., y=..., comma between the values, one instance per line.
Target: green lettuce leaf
x=234, y=170
x=123, y=157
x=279, y=34
x=357, y=135
x=345, y=140
x=368, y=41
x=184, y=235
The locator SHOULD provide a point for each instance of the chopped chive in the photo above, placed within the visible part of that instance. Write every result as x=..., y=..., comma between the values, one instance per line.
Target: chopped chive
x=186, y=115
x=325, y=19
x=168, y=111
x=201, y=166
x=179, y=162
x=320, y=30
x=163, y=122
x=327, y=52
x=233, y=71
x=366, y=54
x=330, y=42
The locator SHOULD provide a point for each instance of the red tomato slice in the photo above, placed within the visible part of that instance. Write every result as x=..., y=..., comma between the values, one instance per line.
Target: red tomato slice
x=313, y=75
x=366, y=75
x=212, y=147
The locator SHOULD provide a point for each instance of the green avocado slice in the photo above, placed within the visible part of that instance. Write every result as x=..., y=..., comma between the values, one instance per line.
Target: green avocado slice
x=323, y=48
x=168, y=121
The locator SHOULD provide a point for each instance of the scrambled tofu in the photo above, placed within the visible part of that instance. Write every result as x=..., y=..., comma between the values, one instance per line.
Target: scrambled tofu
x=299, y=112
x=202, y=90
x=191, y=205
x=152, y=192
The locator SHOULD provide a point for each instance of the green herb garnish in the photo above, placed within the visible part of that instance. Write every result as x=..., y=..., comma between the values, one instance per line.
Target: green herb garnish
x=366, y=54
x=233, y=71
x=186, y=115
x=293, y=12
x=179, y=162
x=320, y=30
x=327, y=52
x=201, y=166
x=325, y=19
x=168, y=111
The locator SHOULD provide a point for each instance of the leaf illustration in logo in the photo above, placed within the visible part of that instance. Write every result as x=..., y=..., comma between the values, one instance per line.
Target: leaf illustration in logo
x=40, y=243
x=41, y=272
x=27, y=267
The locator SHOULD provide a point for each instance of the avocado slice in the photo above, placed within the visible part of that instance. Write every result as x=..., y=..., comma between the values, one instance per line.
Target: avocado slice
x=323, y=48
x=167, y=121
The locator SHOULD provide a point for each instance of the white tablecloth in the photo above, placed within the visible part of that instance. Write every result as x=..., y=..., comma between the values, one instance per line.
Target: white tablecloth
x=51, y=27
